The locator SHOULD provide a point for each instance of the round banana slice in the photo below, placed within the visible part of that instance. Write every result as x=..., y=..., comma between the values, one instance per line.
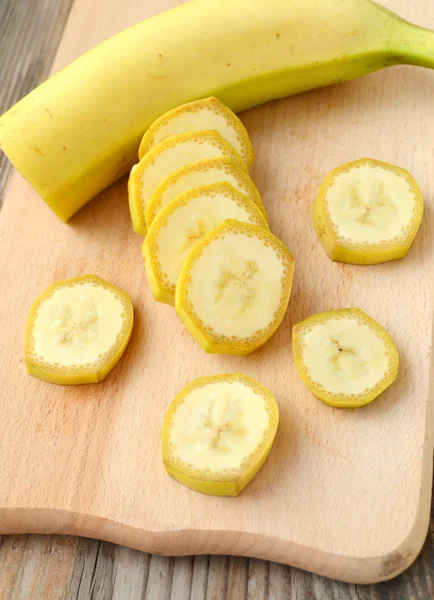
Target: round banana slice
x=166, y=157
x=201, y=172
x=77, y=330
x=234, y=288
x=344, y=357
x=179, y=226
x=201, y=115
x=218, y=432
x=367, y=212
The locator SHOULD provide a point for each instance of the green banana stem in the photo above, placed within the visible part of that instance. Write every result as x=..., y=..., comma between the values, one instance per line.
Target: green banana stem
x=416, y=45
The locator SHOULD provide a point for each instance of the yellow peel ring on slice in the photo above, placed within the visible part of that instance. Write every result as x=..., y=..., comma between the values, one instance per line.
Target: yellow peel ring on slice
x=218, y=432
x=206, y=114
x=234, y=288
x=77, y=330
x=201, y=172
x=165, y=158
x=344, y=357
x=367, y=212
x=179, y=226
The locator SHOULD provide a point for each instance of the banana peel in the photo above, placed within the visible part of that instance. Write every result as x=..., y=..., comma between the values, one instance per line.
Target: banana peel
x=70, y=141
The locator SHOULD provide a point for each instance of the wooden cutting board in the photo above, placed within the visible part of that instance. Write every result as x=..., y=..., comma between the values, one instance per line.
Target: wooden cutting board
x=345, y=493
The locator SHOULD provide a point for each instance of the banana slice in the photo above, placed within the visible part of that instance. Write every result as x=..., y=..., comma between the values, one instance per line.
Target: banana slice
x=182, y=223
x=166, y=157
x=218, y=432
x=234, y=288
x=344, y=357
x=200, y=115
x=367, y=212
x=77, y=330
x=201, y=172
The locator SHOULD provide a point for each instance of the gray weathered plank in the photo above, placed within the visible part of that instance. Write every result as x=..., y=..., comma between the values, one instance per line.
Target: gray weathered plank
x=83, y=572
x=199, y=581
x=217, y=578
x=182, y=578
x=258, y=580
x=131, y=569
x=30, y=31
x=62, y=567
x=237, y=578
x=160, y=578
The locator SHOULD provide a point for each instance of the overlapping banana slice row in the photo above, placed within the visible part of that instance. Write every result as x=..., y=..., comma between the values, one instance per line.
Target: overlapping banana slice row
x=208, y=249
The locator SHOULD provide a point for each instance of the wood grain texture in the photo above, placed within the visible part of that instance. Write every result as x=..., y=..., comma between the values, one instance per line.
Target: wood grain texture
x=223, y=575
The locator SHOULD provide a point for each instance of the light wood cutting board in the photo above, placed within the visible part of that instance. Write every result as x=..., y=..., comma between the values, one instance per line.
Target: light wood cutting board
x=345, y=493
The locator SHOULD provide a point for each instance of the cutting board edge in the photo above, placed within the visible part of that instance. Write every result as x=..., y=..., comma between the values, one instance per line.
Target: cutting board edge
x=185, y=542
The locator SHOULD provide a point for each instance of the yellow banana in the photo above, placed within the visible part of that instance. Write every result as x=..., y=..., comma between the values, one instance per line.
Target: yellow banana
x=80, y=130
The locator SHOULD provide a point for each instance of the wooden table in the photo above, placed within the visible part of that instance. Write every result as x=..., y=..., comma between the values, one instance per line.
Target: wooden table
x=51, y=567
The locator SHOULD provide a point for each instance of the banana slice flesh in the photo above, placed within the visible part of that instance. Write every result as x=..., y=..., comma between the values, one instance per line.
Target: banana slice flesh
x=201, y=172
x=234, y=288
x=77, y=330
x=344, y=357
x=368, y=212
x=182, y=223
x=218, y=432
x=201, y=115
x=169, y=155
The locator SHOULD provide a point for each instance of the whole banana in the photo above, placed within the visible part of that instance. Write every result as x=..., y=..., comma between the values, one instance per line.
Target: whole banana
x=80, y=130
